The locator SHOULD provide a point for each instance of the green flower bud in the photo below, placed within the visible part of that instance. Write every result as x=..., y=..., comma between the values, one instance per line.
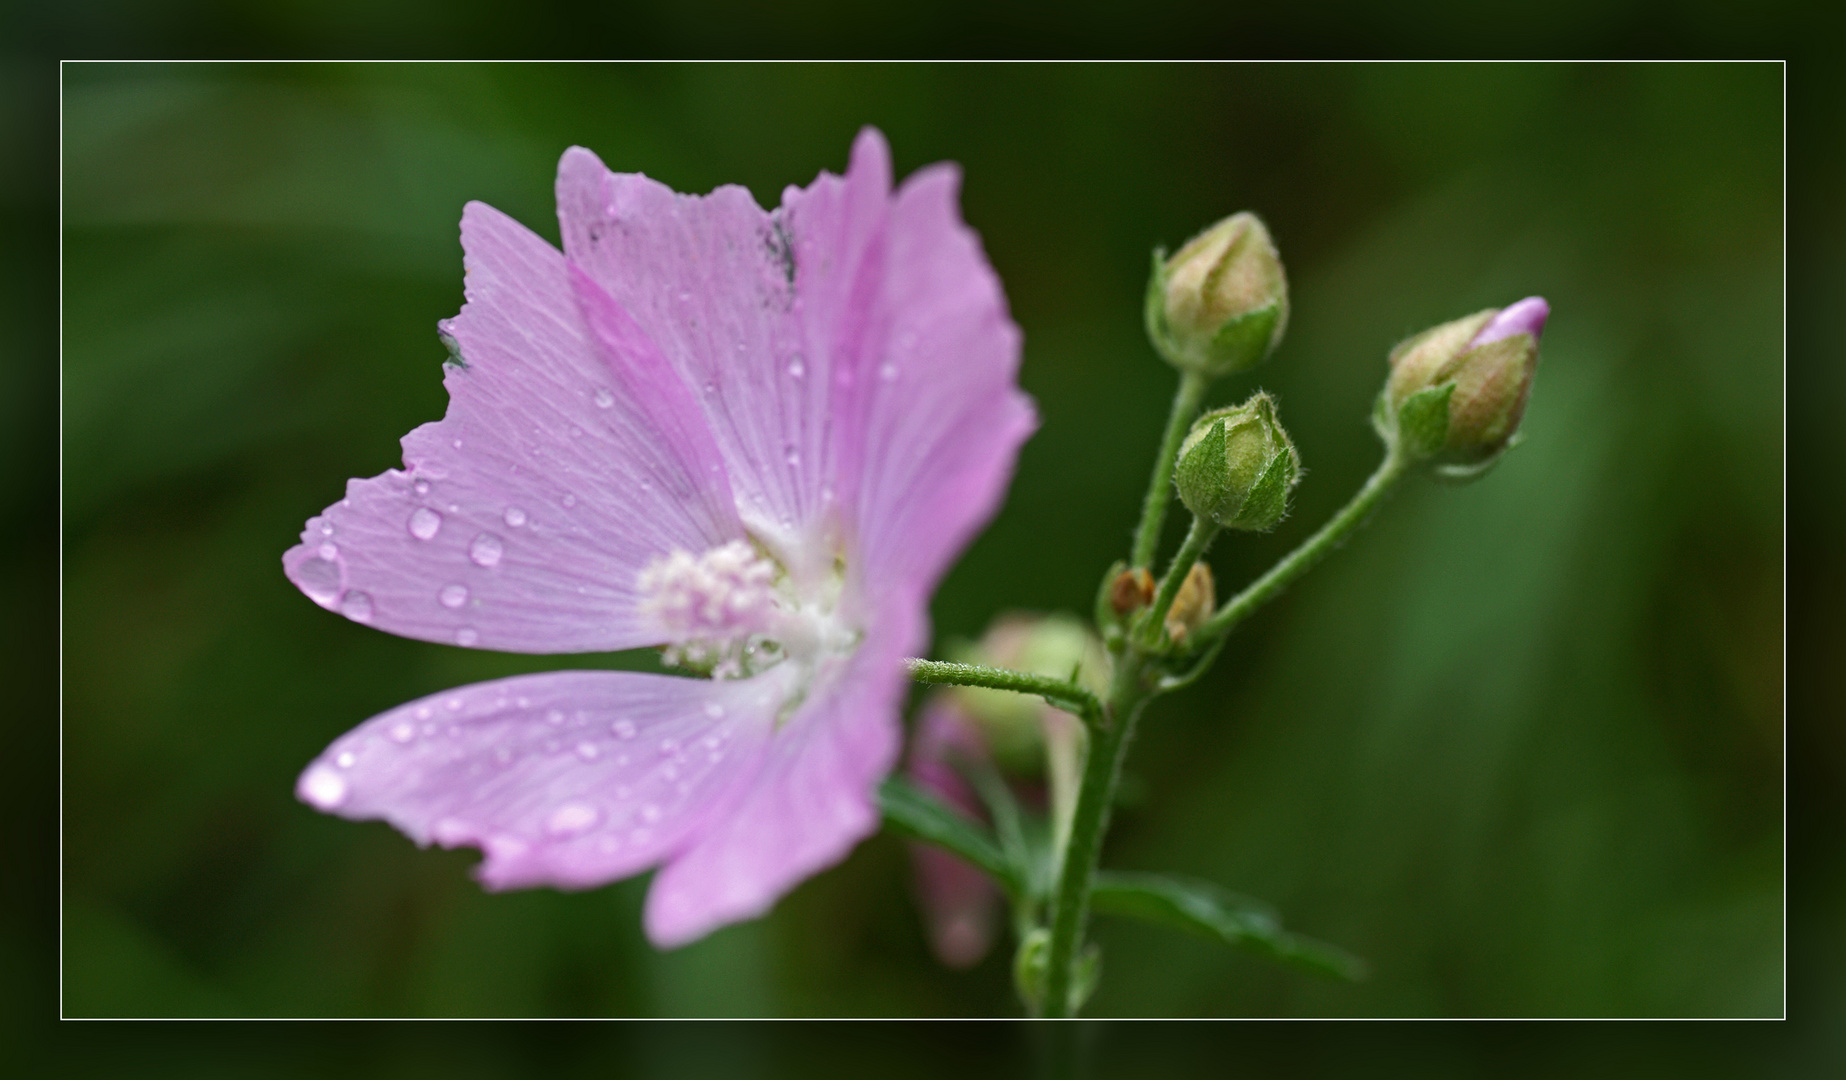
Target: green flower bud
x=1237, y=466
x=1457, y=392
x=1221, y=304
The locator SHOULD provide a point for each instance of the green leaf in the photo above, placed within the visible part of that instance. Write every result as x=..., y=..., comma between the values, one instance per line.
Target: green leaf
x=1267, y=502
x=1423, y=421
x=922, y=817
x=1203, y=475
x=1203, y=908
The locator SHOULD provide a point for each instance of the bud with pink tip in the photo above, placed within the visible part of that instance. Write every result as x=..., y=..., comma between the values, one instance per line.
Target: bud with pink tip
x=1457, y=392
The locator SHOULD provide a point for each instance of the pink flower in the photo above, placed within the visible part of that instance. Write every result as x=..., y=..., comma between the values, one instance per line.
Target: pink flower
x=754, y=438
x=961, y=905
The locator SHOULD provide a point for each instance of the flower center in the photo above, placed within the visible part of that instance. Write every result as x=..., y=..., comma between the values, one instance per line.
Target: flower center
x=732, y=611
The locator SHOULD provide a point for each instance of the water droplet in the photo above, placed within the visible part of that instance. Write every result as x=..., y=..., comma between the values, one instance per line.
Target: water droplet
x=711, y=387
x=796, y=369
x=329, y=551
x=791, y=455
x=421, y=487
x=456, y=444
x=888, y=372
x=514, y=517
x=422, y=712
x=319, y=578
x=714, y=710
x=649, y=813
x=424, y=523
x=403, y=731
x=555, y=717
x=453, y=596
x=356, y=606
x=668, y=746
x=486, y=550
x=571, y=818
x=569, y=501
x=323, y=788
x=587, y=751
x=521, y=702
x=623, y=729
x=345, y=760
x=454, y=704
x=466, y=636
x=712, y=742
x=604, y=398
x=326, y=529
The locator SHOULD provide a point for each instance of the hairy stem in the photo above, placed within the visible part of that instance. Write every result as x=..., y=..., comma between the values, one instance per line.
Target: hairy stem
x=1303, y=558
x=1061, y=693
x=1160, y=488
x=1198, y=538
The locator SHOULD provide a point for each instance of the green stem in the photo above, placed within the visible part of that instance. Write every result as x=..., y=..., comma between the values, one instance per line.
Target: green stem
x=1059, y=692
x=1198, y=538
x=1160, y=489
x=1303, y=558
x=1102, y=770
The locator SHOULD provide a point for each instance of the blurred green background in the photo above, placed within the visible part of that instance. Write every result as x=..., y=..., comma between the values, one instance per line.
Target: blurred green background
x=1519, y=744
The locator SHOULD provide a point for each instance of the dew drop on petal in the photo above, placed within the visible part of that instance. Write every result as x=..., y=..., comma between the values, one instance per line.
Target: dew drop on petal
x=649, y=813
x=486, y=550
x=668, y=746
x=454, y=704
x=555, y=718
x=422, y=712
x=714, y=710
x=888, y=372
x=421, y=487
x=329, y=551
x=345, y=760
x=571, y=818
x=587, y=751
x=466, y=636
x=604, y=398
x=356, y=606
x=326, y=528
x=456, y=444
x=424, y=523
x=514, y=516
x=323, y=788
x=569, y=501
x=796, y=369
x=403, y=731
x=623, y=729
x=791, y=455
x=319, y=578
x=453, y=596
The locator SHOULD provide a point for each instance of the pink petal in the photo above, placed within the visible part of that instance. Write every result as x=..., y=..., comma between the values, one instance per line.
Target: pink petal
x=961, y=905
x=1521, y=317
x=572, y=779
x=807, y=808
x=568, y=459
x=946, y=419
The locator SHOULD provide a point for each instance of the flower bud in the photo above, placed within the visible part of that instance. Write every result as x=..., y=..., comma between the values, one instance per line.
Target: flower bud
x=1220, y=305
x=1457, y=392
x=1192, y=604
x=1013, y=725
x=1237, y=466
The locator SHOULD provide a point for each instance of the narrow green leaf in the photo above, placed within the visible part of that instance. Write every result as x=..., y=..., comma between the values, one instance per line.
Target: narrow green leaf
x=1203, y=908
x=1268, y=499
x=922, y=817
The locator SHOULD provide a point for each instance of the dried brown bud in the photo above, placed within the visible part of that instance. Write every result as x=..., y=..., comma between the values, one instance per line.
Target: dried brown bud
x=1193, y=604
x=1131, y=591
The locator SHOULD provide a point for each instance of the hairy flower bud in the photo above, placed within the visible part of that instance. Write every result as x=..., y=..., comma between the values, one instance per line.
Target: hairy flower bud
x=1220, y=305
x=1237, y=466
x=1457, y=392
